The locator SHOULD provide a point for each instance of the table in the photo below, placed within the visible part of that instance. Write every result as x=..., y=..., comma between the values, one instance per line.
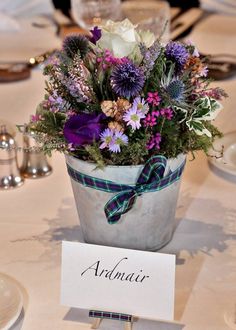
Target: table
x=37, y=216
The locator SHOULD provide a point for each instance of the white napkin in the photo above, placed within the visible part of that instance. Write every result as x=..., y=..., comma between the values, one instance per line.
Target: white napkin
x=8, y=23
x=11, y=11
x=227, y=7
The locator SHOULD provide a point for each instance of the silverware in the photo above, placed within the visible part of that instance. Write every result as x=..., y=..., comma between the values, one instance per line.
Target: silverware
x=220, y=66
x=10, y=176
x=35, y=164
x=219, y=70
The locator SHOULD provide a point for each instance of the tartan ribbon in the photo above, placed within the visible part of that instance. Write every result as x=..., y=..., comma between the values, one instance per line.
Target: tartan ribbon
x=110, y=315
x=151, y=179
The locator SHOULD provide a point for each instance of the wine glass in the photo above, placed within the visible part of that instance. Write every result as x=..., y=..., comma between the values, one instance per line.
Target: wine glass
x=89, y=13
x=149, y=15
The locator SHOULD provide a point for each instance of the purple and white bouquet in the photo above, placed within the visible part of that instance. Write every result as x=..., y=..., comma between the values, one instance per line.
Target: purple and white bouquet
x=120, y=96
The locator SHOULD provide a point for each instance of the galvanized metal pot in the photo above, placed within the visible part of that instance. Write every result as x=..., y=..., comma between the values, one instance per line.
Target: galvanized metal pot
x=149, y=225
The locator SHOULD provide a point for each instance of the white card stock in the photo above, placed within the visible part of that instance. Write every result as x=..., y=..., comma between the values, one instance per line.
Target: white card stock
x=118, y=280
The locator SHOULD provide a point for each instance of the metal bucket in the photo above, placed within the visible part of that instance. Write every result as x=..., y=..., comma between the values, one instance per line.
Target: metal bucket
x=148, y=226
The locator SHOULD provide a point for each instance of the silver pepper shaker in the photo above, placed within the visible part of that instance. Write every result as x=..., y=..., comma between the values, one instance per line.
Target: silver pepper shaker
x=10, y=176
x=35, y=164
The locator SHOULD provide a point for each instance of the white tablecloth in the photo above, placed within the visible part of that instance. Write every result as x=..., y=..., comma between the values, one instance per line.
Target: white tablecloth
x=37, y=216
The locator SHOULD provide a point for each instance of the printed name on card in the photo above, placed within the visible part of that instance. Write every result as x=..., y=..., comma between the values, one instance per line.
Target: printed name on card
x=118, y=280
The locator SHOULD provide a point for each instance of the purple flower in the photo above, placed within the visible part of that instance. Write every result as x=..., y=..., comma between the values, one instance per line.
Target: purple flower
x=133, y=117
x=118, y=140
x=153, y=98
x=75, y=44
x=141, y=105
x=167, y=113
x=127, y=79
x=96, y=35
x=177, y=52
x=176, y=89
x=106, y=138
x=35, y=118
x=149, y=56
x=154, y=142
x=83, y=129
x=113, y=139
x=151, y=119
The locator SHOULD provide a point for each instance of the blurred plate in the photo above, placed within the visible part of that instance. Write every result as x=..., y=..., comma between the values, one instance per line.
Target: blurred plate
x=11, y=302
x=226, y=163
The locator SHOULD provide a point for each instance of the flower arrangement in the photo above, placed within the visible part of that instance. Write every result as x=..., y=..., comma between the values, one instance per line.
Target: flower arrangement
x=119, y=97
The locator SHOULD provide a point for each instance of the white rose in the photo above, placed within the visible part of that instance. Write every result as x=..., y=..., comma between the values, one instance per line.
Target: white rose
x=122, y=38
x=146, y=37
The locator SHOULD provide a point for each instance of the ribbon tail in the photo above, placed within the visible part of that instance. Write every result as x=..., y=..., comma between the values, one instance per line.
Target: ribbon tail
x=118, y=205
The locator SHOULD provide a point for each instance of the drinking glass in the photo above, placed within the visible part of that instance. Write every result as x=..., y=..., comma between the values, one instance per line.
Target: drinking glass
x=89, y=13
x=149, y=15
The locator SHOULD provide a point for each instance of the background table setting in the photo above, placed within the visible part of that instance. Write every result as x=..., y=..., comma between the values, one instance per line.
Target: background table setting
x=37, y=216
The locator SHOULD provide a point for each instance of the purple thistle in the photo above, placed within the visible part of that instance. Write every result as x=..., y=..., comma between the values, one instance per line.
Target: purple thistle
x=127, y=79
x=176, y=89
x=177, y=52
x=75, y=44
x=96, y=35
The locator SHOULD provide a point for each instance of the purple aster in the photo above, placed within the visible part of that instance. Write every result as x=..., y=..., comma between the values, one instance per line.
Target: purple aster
x=106, y=138
x=141, y=105
x=118, y=140
x=96, y=35
x=83, y=129
x=133, y=117
x=177, y=52
x=127, y=79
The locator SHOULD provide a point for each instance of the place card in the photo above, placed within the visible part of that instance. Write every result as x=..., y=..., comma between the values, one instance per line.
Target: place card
x=126, y=281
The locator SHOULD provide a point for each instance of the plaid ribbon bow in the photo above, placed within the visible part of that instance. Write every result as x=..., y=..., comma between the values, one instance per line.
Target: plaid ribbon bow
x=151, y=179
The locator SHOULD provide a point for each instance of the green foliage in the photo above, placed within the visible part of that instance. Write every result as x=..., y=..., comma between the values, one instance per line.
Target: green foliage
x=94, y=154
x=52, y=123
x=134, y=153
